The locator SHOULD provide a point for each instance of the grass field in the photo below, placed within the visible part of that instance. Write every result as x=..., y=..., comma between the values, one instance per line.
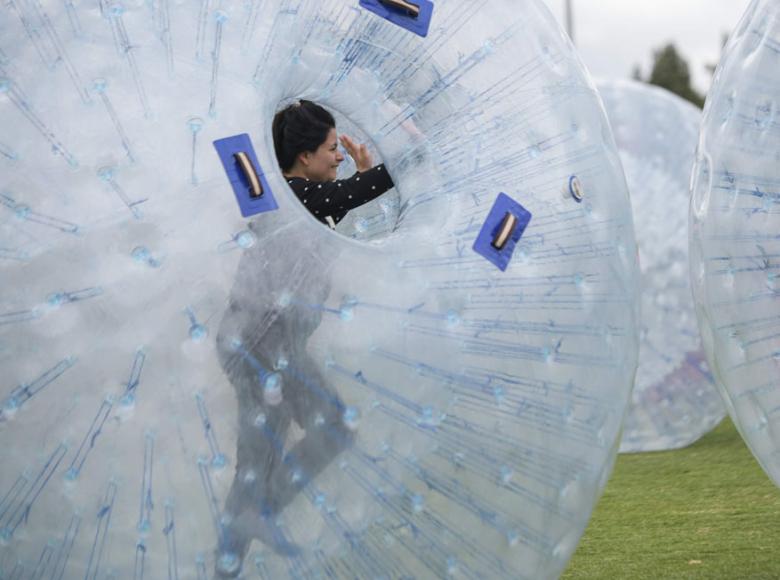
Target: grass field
x=704, y=512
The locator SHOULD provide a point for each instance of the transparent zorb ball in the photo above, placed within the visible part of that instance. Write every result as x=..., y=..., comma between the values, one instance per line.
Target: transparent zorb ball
x=674, y=401
x=188, y=392
x=734, y=223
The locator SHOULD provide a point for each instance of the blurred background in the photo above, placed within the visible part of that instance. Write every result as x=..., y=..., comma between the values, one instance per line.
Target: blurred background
x=672, y=43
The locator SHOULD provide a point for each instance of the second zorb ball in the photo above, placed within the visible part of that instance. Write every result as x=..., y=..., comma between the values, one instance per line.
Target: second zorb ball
x=674, y=402
x=735, y=220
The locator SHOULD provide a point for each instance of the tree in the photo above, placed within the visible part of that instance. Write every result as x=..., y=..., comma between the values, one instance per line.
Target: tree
x=671, y=72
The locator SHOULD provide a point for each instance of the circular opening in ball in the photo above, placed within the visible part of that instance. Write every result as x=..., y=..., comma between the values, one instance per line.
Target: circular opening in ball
x=370, y=220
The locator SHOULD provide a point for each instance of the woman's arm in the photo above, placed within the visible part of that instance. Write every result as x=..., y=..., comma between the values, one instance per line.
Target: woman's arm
x=329, y=198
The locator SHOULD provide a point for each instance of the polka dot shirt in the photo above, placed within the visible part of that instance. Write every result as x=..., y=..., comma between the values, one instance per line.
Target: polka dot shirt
x=329, y=201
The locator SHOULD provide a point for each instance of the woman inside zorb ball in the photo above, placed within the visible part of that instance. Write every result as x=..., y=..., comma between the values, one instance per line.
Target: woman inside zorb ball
x=255, y=345
x=421, y=399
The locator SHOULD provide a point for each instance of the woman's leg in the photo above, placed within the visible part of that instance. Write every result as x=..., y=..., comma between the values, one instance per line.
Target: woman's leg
x=318, y=409
x=260, y=429
x=257, y=456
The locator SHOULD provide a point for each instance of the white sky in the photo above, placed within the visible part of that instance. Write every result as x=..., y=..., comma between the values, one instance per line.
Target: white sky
x=614, y=35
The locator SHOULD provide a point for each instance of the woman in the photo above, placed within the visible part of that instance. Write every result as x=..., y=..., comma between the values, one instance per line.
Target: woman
x=306, y=146
x=262, y=338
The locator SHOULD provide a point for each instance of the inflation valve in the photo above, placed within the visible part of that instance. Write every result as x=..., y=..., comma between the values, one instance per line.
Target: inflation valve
x=575, y=188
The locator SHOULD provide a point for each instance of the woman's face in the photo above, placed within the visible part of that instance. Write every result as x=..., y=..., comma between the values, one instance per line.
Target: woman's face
x=323, y=164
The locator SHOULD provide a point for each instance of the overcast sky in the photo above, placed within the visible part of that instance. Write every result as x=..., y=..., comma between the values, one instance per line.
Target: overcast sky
x=614, y=35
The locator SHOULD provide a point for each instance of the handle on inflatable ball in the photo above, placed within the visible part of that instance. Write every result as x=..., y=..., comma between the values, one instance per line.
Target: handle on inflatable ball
x=503, y=228
x=413, y=10
x=413, y=16
x=248, y=169
x=252, y=192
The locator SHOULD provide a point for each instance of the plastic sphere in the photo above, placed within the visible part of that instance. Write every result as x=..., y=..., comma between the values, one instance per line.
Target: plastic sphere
x=674, y=401
x=388, y=405
x=734, y=223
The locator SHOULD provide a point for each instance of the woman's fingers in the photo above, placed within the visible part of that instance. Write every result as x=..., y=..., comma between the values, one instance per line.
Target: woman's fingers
x=365, y=156
x=352, y=149
x=348, y=144
x=359, y=153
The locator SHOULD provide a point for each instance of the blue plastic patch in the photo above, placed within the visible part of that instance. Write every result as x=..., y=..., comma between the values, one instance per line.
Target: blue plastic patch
x=419, y=25
x=226, y=149
x=484, y=243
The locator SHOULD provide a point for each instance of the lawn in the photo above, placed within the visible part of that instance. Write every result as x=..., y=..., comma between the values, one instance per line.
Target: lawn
x=707, y=511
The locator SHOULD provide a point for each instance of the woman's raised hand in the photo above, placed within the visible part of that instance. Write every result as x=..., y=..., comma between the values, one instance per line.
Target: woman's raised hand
x=359, y=153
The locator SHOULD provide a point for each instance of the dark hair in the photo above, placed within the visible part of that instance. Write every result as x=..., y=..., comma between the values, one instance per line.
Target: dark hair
x=300, y=127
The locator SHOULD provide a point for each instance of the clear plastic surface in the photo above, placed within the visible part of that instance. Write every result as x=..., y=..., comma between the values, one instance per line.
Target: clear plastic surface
x=186, y=393
x=734, y=220
x=674, y=401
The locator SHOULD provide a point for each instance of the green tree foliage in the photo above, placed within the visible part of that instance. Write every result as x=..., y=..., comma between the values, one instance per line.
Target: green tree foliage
x=670, y=71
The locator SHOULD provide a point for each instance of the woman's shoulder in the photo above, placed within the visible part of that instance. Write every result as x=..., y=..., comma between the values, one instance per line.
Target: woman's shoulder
x=301, y=185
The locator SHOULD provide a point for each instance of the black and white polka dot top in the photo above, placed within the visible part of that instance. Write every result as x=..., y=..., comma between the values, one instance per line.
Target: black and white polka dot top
x=329, y=201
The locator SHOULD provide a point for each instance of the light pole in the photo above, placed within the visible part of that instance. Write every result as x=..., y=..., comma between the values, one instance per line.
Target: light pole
x=569, y=20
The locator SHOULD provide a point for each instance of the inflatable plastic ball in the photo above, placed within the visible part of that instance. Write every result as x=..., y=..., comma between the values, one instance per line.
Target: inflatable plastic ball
x=734, y=224
x=202, y=379
x=674, y=401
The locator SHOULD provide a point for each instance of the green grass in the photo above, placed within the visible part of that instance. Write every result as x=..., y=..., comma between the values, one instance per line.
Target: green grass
x=704, y=512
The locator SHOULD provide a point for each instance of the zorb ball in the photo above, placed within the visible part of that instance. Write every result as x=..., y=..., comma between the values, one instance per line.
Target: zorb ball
x=674, y=401
x=734, y=220
x=189, y=391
